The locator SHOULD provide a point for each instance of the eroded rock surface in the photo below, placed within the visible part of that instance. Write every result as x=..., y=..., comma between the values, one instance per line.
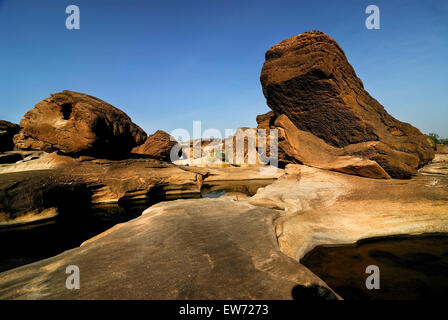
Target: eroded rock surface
x=76, y=123
x=53, y=182
x=438, y=166
x=302, y=147
x=237, y=150
x=442, y=148
x=157, y=145
x=308, y=79
x=328, y=208
x=185, y=249
x=29, y=189
x=237, y=247
x=7, y=132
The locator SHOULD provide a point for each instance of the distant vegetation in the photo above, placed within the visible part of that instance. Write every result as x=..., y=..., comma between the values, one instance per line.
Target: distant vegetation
x=437, y=139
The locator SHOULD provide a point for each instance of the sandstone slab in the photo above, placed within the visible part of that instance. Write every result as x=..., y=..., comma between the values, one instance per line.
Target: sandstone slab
x=302, y=147
x=246, y=248
x=308, y=78
x=185, y=249
x=328, y=208
x=29, y=189
x=157, y=145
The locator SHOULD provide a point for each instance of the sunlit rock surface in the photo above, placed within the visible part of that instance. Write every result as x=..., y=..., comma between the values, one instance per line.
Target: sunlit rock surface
x=185, y=249
x=321, y=207
x=308, y=79
x=238, y=247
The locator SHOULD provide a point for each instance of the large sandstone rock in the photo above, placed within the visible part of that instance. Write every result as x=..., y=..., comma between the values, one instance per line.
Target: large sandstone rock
x=302, y=147
x=157, y=145
x=76, y=123
x=7, y=132
x=308, y=79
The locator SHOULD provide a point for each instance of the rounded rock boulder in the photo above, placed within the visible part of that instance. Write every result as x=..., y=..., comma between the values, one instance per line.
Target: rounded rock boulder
x=75, y=123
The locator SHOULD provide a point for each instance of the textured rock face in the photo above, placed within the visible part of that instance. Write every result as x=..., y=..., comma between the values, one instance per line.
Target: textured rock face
x=439, y=165
x=442, y=148
x=157, y=145
x=44, y=184
x=308, y=79
x=7, y=132
x=302, y=147
x=76, y=123
x=29, y=190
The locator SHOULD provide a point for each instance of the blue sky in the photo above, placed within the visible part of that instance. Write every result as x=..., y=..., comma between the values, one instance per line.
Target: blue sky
x=167, y=63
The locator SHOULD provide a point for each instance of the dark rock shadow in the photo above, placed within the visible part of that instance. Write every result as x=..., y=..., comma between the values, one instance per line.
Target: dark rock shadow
x=313, y=292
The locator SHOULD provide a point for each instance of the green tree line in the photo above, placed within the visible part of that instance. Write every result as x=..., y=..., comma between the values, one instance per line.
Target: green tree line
x=437, y=139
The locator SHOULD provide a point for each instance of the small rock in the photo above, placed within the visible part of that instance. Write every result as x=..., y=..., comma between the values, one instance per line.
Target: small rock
x=157, y=145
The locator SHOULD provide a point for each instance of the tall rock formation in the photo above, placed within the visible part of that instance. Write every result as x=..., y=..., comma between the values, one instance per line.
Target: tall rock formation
x=308, y=79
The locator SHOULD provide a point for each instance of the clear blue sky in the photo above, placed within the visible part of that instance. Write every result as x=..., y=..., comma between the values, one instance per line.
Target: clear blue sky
x=167, y=63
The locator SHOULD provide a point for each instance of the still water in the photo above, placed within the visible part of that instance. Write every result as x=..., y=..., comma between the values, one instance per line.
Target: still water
x=410, y=268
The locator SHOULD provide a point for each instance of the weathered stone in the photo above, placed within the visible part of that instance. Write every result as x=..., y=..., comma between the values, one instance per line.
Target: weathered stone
x=27, y=186
x=29, y=189
x=184, y=249
x=329, y=208
x=308, y=79
x=442, y=148
x=76, y=123
x=10, y=157
x=231, y=248
x=302, y=147
x=37, y=195
x=439, y=165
